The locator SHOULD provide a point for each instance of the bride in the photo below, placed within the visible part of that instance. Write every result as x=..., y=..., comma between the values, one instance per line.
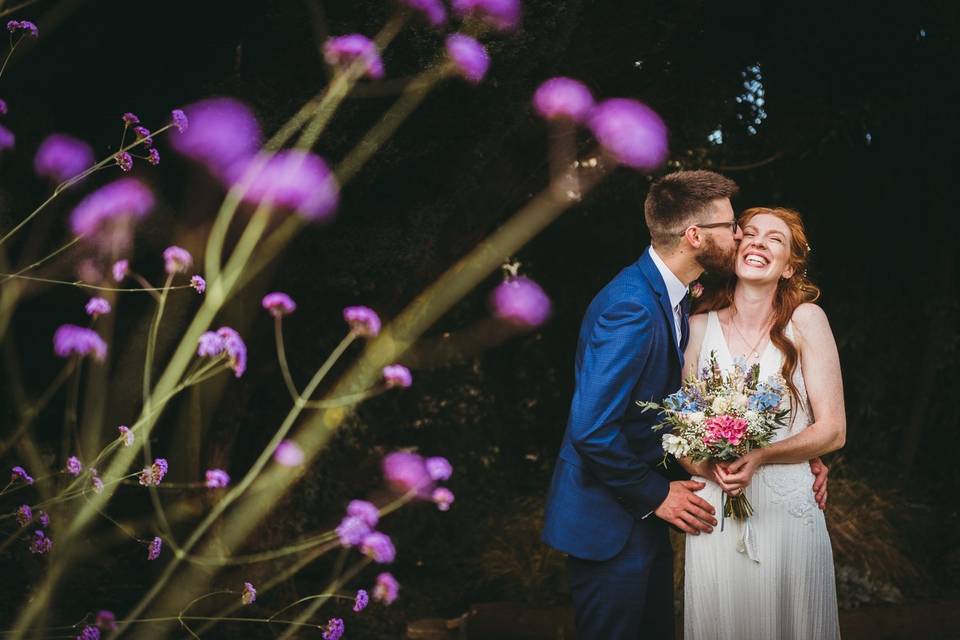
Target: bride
x=771, y=576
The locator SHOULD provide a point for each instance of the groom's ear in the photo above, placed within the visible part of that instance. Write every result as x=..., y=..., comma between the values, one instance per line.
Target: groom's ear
x=692, y=236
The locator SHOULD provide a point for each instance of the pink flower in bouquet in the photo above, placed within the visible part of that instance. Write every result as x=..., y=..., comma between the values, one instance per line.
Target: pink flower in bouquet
x=726, y=428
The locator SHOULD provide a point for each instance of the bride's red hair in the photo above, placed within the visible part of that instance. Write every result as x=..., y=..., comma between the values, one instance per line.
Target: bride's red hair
x=791, y=292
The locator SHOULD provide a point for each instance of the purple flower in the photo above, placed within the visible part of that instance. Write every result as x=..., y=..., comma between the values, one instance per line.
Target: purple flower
x=23, y=25
x=443, y=497
x=130, y=119
x=210, y=344
x=217, y=478
x=153, y=157
x=198, y=283
x=95, y=482
x=153, y=551
x=144, y=134
x=344, y=51
x=24, y=515
x=631, y=132
x=469, y=57
x=439, y=468
x=503, y=15
x=180, y=120
x=74, y=467
x=288, y=454
x=152, y=476
x=278, y=304
x=106, y=620
x=378, y=546
x=407, y=472
x=124, y=198
x=69, y=339
x=126, y=435
x=89, y=632
x=363, y=321
x=521, y=300
x=563, y=98
x=235, y=348
x=352, y=531
x=294, y=180
x=176, y=260
x=97, y=307
x=3, y=107
x=120, y=268
x=432, y=10
x=43, y=518
x=124, y=161
x=40, y=544
x=360, y=601
x=19, y=473
x=224, y=135
x=397, y=375
x=61, y=157
x=7, y=139
x=364, y=510
x=249, y=593
x=333, y=630
x=386, y=589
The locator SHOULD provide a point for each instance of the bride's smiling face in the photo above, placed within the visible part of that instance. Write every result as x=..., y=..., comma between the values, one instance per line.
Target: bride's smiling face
x=764, y=253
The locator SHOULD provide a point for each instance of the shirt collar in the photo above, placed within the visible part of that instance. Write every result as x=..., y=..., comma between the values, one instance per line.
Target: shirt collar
x=675, y=287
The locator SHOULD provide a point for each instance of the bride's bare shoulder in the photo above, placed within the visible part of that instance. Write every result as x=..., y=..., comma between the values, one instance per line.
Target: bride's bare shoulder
x=809, y=315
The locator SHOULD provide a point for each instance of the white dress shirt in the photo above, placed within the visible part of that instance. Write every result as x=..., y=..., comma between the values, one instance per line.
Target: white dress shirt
x=676, y=290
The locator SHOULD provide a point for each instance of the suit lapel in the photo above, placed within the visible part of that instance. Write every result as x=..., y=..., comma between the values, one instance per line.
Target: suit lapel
x=652, y=274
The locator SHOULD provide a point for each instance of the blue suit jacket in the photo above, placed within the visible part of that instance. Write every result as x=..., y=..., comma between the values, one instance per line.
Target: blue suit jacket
x=605, y=479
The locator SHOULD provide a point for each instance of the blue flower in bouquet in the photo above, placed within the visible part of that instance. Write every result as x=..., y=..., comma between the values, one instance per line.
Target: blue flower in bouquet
x=765, y=399
x=682, y=401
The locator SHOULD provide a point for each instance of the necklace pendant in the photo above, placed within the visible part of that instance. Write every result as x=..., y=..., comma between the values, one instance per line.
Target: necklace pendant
x=756, y=355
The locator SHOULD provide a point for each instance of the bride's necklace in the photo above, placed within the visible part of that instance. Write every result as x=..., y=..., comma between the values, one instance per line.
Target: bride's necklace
x=753, y=350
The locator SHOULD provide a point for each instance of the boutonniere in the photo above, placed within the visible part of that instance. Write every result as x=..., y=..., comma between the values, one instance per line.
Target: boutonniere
x=695, y=290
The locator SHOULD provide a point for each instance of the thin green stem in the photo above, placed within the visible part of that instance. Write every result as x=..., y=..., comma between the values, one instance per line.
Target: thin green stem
x=335, y=585
x=83, y=285
x=27, y=418
x=282, y=357
x=44, y=259
x=9, y=55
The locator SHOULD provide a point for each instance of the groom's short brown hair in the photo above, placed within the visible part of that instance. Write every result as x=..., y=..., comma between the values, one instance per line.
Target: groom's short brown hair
x=675, y=200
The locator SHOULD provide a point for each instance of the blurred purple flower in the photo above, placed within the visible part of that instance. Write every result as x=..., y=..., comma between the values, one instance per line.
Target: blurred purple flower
x=61, y=157
x=217, y=478
x=294, y=180
x=278, y=304
x=97, y=307
x=89, y=632
x=443, y=497
x=124, y=198
x=288, y=454
x=364, y=510
x=152, y=476
x=386, y=589
x=126, y=435
x=432, y=10
x=333, y=630
x=119, y=269
x=503, y=15
x=407, y=472
x=352, y=531
x=40, y=544
x=439, y=468
x=224, y=135
x=180, y=120
x=3, y=107
x=363, y=321
x=360, y=601
x=176, y=260
x=198, y=283
x=106, y=620
x=469, y=57
x=144, y=134
x=521, y=300
x=7, y=139
x=23, y=25
x=343, y=51
x=69, y=339
x=249, y=593
x=43, y=518
x=397, y=375
x=153, y=157
x=235, y=348
x=130, y=119
x=631, y=132
x=124, y=161
x=74, y=467
x=210, y=344
x=153, y=551
x=563, y=98
x=20, y=473
x=95, y=482
x=24, y=515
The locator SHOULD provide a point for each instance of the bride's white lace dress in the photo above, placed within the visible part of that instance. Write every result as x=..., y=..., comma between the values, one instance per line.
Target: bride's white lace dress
x=787, y=589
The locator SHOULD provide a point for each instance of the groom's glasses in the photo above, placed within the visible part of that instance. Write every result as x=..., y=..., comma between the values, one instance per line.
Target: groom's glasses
x=732, y=225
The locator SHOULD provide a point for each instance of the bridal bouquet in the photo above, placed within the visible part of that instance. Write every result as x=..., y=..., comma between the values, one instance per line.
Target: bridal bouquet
x=720, y=417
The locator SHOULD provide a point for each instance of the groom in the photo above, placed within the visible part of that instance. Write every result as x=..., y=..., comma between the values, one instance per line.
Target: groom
x=608, y=507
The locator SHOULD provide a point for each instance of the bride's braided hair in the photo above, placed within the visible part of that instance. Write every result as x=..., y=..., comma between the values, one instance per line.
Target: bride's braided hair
x=791, y=292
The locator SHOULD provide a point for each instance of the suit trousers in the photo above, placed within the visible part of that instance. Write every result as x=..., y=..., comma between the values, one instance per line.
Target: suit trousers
x=629, y=596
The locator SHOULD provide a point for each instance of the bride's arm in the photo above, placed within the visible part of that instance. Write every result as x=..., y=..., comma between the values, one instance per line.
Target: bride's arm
x=820, y=364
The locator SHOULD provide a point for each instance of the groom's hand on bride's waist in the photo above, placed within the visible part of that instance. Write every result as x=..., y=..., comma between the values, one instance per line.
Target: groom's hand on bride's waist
x=686, y=510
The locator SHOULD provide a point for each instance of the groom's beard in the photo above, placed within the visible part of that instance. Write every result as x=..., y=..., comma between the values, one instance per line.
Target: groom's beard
x=716, y=260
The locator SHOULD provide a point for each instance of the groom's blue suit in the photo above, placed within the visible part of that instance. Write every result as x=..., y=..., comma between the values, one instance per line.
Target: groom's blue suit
x=605, y=486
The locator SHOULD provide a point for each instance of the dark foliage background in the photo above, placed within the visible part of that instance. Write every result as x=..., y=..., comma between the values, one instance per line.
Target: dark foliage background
x=860, y=137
